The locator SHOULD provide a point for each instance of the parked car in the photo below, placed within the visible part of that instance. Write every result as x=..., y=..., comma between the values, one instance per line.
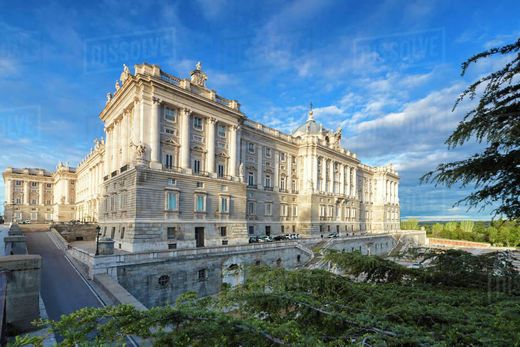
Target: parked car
x=26, y=221
x=333, y=235
x=253, y=239
x=265, y=239
x=279, y=238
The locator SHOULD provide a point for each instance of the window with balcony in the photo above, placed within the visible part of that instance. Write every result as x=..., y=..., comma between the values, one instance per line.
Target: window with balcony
x=282, y=183
x=196, y=166
x=268, y=183
x=168, y=160
x=220, y=170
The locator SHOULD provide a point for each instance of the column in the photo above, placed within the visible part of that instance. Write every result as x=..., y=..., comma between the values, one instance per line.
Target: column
x=233, y=153
x=397, y=192
x=331, y=176
x=342, y=179
x=276, y=178
x=288, y=184
x=26, y=192
x=9, y=191
x=41, y=192
x=67, y=195
x=354, y=182
x=348, y=190
x=124, y=139
x=155, y=132
x=243, y=151
x=117, y=142
x=107, y=160
x=185, y=138
x=210, y=158
x=259, y=167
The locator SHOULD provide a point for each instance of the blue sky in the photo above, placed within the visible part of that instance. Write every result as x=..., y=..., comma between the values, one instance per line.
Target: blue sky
x=388, y=72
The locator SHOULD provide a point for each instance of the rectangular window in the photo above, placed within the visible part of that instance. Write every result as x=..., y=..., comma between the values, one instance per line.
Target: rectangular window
x=224, y=242
x=203, y=274
x=220, y=170
x=268, y=209
x=200, y=184
x=170, y=114
x=197, y=123
x=200, y=203
x=221, y=130
x=251, y=208
x=172, y=246
x=122, y=234
x=168, y=161
x=268, y=183
x=268, y=152
x=251, y=230
x=224, y=204
x=169, y=131
x=293, y=185
x=282, y=156
x=268, y=230
x=172, y=181
x=171, y=233
x=282, y=183
x=196, y=166
x=49, y=185
x=34, y=184
x=251, y=147
x=251, y=179
x=18, y=183
x=223, y=231
x=33, y=202
x=283, y=210
x=295, y=210
x=171, y=201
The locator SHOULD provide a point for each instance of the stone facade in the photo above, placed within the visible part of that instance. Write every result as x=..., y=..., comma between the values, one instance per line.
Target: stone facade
x=38, y=195
x=183, y=167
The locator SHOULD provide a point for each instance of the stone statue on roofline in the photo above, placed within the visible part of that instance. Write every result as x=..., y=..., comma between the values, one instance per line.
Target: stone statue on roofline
x=198, y=77
x=125, y=74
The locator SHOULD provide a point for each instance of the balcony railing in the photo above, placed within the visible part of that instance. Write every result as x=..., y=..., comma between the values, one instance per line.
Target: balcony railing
x=268, y=188
x=173, y=168
x=252, y=186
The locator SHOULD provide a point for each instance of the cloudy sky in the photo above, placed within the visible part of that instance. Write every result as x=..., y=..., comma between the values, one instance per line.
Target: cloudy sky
x=388, y=72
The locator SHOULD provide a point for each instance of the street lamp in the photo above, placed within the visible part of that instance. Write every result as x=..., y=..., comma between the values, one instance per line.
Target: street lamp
x=98, y=233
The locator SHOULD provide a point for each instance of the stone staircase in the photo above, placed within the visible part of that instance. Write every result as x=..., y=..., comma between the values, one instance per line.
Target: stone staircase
x=318, y=260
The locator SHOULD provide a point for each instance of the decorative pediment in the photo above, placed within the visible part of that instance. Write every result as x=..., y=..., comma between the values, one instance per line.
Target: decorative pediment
x=222, y=155
x=172, y=141
x=251, y=168
x=269, y=170
x=197, y=148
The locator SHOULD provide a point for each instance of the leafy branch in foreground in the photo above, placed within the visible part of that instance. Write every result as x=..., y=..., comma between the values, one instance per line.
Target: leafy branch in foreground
x=318, y=308
x=495, y=120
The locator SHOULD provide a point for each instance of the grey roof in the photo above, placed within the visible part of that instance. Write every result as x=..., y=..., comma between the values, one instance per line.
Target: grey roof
x=309, y=127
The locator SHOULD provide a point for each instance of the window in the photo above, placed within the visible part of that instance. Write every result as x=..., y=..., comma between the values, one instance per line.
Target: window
x=282, y=156
x=200, y=203
x=169, y=131
x=283, y=229
x=203, y=275
x=171, y=201
x=224, y=204
x=293, y=185
x=197, y=123
x=284, y=210
x=163, y=280
x=47, y=202
x=268, y=230
x=268, y=152
x=168, y=161
x=172, y=246
x=170, y=114
x=172, y=181
x=34, y=215
x=122, y=236
x=282, y=183
x=268, y=209
x=113, y=233
x=18, y=200
x=268, y=181
x=171, y=233
x=250, y=178
x=200, y=184
x=18, y=183
x=49, y=185
x=251, y=147
x=33, y=202
x=251, y=208
x=34, y=184
x=221, y=130
x=224, y=242
x=196, y=166
x=295, y=210
x=223, y=231
x=251, y=230
x=220, y=170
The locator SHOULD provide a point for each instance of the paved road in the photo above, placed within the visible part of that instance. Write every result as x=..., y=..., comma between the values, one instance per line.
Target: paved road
x=62, y=288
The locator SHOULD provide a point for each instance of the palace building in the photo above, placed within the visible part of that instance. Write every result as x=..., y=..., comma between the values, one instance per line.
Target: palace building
x=181, y=166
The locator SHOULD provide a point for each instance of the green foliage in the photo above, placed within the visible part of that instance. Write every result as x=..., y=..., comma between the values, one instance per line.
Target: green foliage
x=451, y=226
x=467, y=226
x=408, y=307
x=495, y=121
x=411, y=224
x=437, y=229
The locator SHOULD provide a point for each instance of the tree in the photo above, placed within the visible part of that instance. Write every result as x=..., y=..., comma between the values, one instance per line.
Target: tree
x=411, y=224
x=467, y=226
x=495, y=120
x=437, y=229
